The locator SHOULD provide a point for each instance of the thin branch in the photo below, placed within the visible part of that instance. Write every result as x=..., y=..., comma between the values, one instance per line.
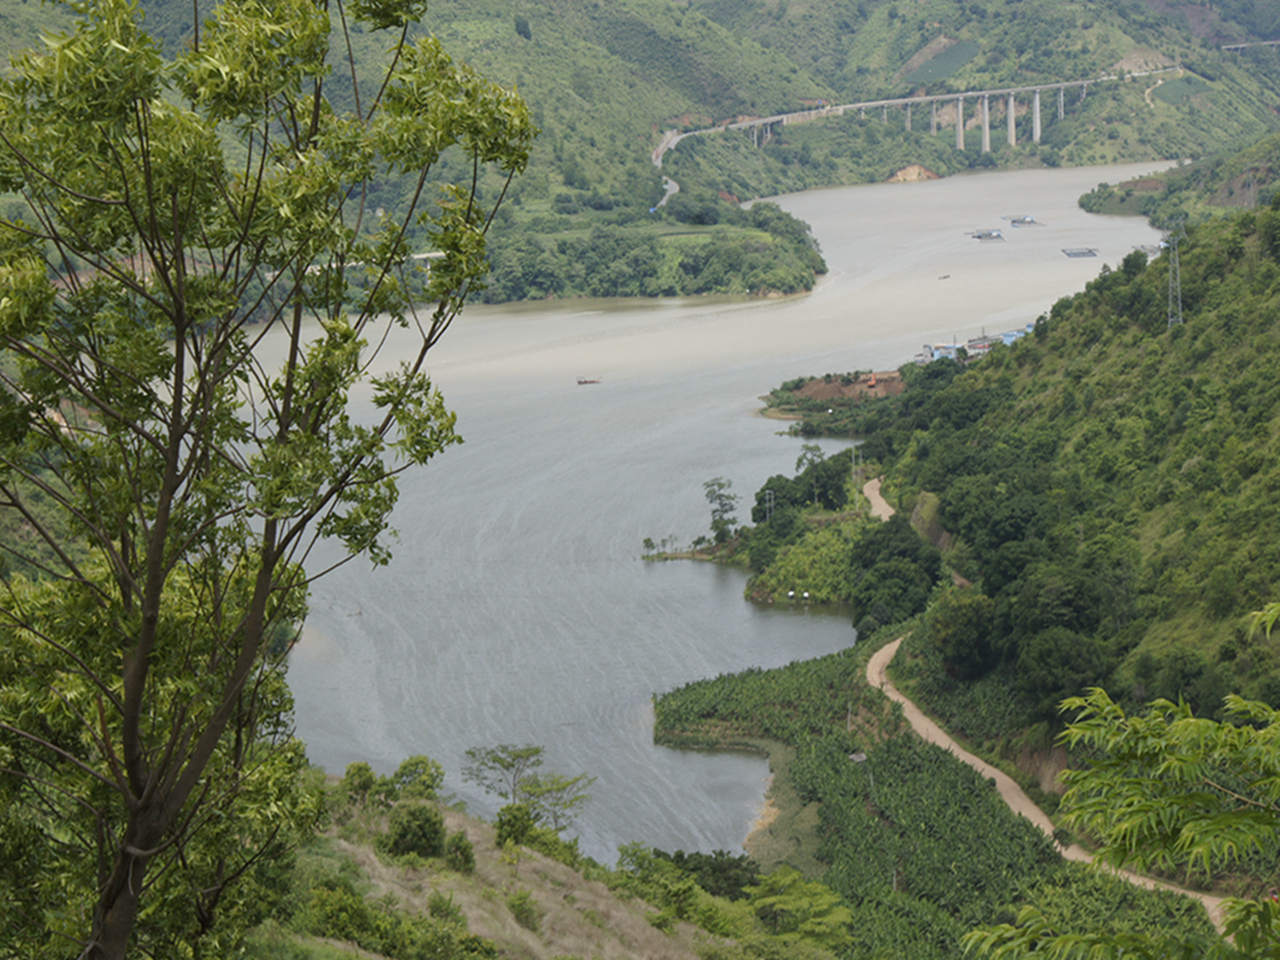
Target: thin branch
x=1247, y=801
x=54, y=748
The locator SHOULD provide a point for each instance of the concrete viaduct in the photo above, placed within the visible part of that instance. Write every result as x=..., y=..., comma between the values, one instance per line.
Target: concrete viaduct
x=1252, y=43
x=982, y=97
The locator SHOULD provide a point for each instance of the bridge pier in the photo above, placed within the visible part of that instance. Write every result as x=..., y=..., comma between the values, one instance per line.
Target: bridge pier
x=1011, y=117
x=986, y=123
x=908, y=118
x=959, y=123
x=1061, y=97
x=1035, y=117
x=933, y=118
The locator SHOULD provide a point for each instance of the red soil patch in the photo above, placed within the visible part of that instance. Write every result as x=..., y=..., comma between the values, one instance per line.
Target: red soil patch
x=869, y=385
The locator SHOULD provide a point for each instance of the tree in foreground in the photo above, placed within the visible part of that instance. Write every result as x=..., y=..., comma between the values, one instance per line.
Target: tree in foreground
x=1174, y=792
x=197, y=285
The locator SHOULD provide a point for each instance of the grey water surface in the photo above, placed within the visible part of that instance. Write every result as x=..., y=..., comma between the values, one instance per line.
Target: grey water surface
x=517, y=610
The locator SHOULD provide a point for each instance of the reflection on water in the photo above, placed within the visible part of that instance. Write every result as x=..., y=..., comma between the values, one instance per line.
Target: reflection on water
x=517, y=609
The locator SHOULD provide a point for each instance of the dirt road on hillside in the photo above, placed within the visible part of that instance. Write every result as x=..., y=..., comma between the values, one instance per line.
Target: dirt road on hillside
x=1010, y=792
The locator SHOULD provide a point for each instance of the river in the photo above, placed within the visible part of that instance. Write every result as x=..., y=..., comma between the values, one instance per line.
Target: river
x=517, y=610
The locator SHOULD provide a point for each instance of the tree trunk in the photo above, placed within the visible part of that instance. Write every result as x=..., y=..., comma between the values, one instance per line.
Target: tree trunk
x=117, y=909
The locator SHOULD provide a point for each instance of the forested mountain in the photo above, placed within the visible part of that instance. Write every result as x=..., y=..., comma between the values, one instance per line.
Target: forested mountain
x=1108, y=486
x=605, y=79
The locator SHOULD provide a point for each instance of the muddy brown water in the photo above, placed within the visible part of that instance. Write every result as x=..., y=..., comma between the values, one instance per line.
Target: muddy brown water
x=517, y=609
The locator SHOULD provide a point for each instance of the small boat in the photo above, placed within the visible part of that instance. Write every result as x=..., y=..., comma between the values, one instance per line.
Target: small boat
x=583, y=381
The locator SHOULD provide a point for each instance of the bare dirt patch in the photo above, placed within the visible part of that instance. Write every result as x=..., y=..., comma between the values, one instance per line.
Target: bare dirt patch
x=913, y=173
x=768, y=814
x=1044, y=766
x=1144, y=185
x=887, y=383
x=1142, y=58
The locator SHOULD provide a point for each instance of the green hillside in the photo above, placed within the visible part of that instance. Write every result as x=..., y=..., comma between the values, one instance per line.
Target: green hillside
x=1239, y=179
x=605, y=80
x=1108, y=486
x=864, y=48
x=1093, y=505
x=919, y=846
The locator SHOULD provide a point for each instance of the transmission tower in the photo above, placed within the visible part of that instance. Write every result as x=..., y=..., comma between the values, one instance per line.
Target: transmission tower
x=1176, y=233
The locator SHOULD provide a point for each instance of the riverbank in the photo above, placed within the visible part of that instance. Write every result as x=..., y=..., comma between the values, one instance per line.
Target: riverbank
x=518, y=550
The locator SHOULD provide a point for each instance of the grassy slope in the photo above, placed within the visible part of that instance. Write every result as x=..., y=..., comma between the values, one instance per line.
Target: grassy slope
x=920, y=847
x=579, y=917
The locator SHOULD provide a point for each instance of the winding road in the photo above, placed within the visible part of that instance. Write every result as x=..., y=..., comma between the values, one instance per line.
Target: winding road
x=1010, y=792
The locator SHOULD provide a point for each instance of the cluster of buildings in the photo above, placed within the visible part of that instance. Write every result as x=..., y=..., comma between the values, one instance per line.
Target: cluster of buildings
x=975, y=348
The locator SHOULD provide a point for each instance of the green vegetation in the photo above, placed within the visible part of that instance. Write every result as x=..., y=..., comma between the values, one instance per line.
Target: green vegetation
x=415, y=828
x=1181, y=90
x=1197, y=191
x=1166, y=790
x=1101, y=493
x=151, y=789
x=604, y=82
x=696, y=248
x=944, y=64
x=348, y=890
x=1104, y=484
x=806, y=546
x=850, y=149
x=917, y=845
x=508, y=771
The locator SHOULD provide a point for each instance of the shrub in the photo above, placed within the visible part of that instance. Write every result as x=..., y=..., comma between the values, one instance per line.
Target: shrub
x=458, y=853
x=418, y=776
x=441, y=906
x=415, y=828
x=524, y=910
x=358, y=781
x=515, y=823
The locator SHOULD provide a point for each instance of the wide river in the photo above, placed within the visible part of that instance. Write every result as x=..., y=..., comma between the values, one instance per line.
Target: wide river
x=517, y=609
